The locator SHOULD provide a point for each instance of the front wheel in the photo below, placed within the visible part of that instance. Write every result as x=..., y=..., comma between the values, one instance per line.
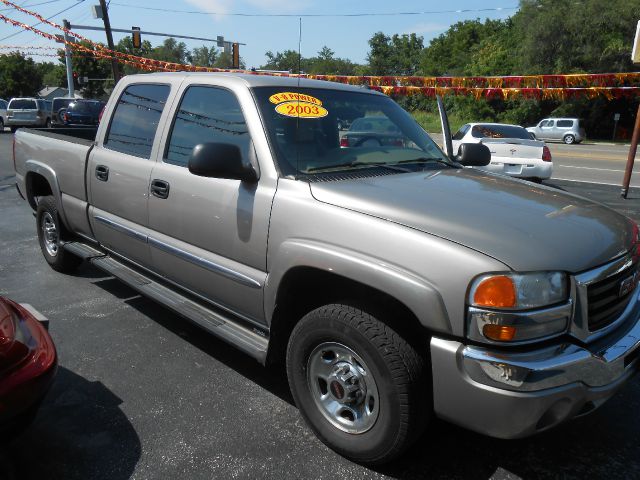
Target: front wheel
x=49, y=237
x=569, y=139
x=360, y=386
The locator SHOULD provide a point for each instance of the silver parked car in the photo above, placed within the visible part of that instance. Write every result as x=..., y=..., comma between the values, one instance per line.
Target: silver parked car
x=3, y=114
x=567, y=130
x=28, y=112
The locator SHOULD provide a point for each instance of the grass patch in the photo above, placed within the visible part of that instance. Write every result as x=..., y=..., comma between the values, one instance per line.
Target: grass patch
x=431, y=121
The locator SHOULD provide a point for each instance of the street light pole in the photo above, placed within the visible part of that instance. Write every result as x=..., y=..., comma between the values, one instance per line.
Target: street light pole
x=67, y=59
x=107, y=29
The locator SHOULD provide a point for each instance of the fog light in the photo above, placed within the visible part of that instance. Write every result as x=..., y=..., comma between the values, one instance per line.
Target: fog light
x=501, y=333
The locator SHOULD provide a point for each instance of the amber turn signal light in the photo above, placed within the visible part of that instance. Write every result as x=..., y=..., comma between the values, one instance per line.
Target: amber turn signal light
x=500, y=333
x=498, y=291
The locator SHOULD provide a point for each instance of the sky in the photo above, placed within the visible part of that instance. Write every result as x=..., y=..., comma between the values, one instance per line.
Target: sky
x=347, y=36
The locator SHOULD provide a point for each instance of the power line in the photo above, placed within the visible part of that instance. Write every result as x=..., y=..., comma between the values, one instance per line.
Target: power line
x=48, y=18
x=366, y=14
x=31, y=5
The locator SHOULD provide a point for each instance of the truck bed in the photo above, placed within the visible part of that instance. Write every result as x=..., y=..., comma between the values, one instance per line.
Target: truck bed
x=60, y=156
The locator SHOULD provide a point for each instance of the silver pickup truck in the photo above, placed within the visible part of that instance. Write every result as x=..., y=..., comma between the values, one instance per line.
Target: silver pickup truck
x=395, y=283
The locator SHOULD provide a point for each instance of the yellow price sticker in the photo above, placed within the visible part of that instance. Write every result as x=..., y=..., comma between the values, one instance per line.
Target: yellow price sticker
x=291, y=96
x=301, y=110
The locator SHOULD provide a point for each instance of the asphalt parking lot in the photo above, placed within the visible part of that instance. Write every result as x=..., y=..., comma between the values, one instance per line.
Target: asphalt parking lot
x=140, y=393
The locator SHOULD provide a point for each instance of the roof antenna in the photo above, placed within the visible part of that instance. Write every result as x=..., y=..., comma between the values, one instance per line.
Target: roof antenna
x=298, y=101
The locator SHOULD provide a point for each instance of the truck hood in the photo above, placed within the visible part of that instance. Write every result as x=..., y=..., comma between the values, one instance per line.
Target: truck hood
x=524, y=225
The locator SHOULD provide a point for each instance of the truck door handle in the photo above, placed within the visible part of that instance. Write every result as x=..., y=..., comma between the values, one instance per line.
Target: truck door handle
x=159, y=188
x=102, y=173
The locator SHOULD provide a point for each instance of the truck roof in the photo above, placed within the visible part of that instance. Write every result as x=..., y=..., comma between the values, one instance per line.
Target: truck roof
x=261, y=80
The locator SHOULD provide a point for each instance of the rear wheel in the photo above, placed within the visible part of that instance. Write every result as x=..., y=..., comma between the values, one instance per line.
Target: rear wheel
x=569, y=139
x=49, y=237
x=48, y=123
x=362, y=388
x=1, y=125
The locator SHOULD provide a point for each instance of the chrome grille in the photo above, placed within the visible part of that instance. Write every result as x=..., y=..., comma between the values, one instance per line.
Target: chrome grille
x=605, y=304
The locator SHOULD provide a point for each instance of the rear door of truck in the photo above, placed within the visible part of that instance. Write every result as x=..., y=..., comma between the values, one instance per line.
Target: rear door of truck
x=120, y=168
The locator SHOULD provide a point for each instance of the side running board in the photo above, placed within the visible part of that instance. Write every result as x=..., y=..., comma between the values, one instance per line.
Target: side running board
x=215, y=322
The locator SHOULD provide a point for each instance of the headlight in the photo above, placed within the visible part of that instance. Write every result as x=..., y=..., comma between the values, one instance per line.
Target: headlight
x=518, y=307
x=518, y=291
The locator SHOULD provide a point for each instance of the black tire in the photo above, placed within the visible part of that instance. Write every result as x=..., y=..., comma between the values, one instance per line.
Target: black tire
x=60, y=115
x=51, y=242
x=569, y=139
x=399, y=373
x=1, y=125
x=47, y=124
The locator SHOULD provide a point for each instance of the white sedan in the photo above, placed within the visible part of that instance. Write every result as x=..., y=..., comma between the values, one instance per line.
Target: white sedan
x=513, y=151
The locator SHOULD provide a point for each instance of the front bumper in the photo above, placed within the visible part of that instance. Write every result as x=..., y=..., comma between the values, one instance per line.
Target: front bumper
x=517, y=394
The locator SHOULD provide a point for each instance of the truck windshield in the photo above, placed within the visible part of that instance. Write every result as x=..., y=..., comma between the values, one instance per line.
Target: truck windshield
x=316, y=130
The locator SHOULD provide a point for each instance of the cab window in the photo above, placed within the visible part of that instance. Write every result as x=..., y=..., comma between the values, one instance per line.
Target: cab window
x=135, y=120
x=206, y=115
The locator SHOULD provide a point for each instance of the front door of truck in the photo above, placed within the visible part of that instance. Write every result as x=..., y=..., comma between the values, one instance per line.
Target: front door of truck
x=209, y=235
x=119, y=170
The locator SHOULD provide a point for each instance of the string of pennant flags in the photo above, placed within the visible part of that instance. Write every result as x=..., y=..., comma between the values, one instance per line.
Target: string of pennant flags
x=541, y=87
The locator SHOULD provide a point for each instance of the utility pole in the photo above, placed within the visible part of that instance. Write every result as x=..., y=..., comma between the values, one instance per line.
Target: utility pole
x=107, y=29
x=67, y=59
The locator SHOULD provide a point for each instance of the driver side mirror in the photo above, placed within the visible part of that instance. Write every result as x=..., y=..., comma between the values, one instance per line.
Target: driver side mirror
x=221, y=160
x=473, y=155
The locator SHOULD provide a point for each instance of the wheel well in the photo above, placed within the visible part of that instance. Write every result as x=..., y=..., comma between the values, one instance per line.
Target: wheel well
x=37, y=186
x=304, y=289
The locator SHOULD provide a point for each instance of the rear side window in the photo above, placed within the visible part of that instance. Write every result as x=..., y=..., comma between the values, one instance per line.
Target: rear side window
x=206, y=114
x=59, y=103
x=136, y=118
x=22, y=105
x=565, y=123
x=460, y=133
x=499, y=131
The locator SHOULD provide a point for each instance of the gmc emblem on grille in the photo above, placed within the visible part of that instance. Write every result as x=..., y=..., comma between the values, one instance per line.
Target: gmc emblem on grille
x=627, y=285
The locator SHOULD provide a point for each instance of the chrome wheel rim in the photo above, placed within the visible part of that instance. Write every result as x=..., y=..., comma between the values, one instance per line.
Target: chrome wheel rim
x=568, y=139
x=343, y=387
x=49, y=234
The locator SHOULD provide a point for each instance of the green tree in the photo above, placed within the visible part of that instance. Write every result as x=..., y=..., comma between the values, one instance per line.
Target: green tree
x=95, y=69
x=53, y=74
x=225, y=60
x=204, y=56
x=327, y=64
x=469, y=48
x=19, y=76
x=289, y=60
x=171, y=51
x=560, y=36
x=395, y=55
x=125, y=45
